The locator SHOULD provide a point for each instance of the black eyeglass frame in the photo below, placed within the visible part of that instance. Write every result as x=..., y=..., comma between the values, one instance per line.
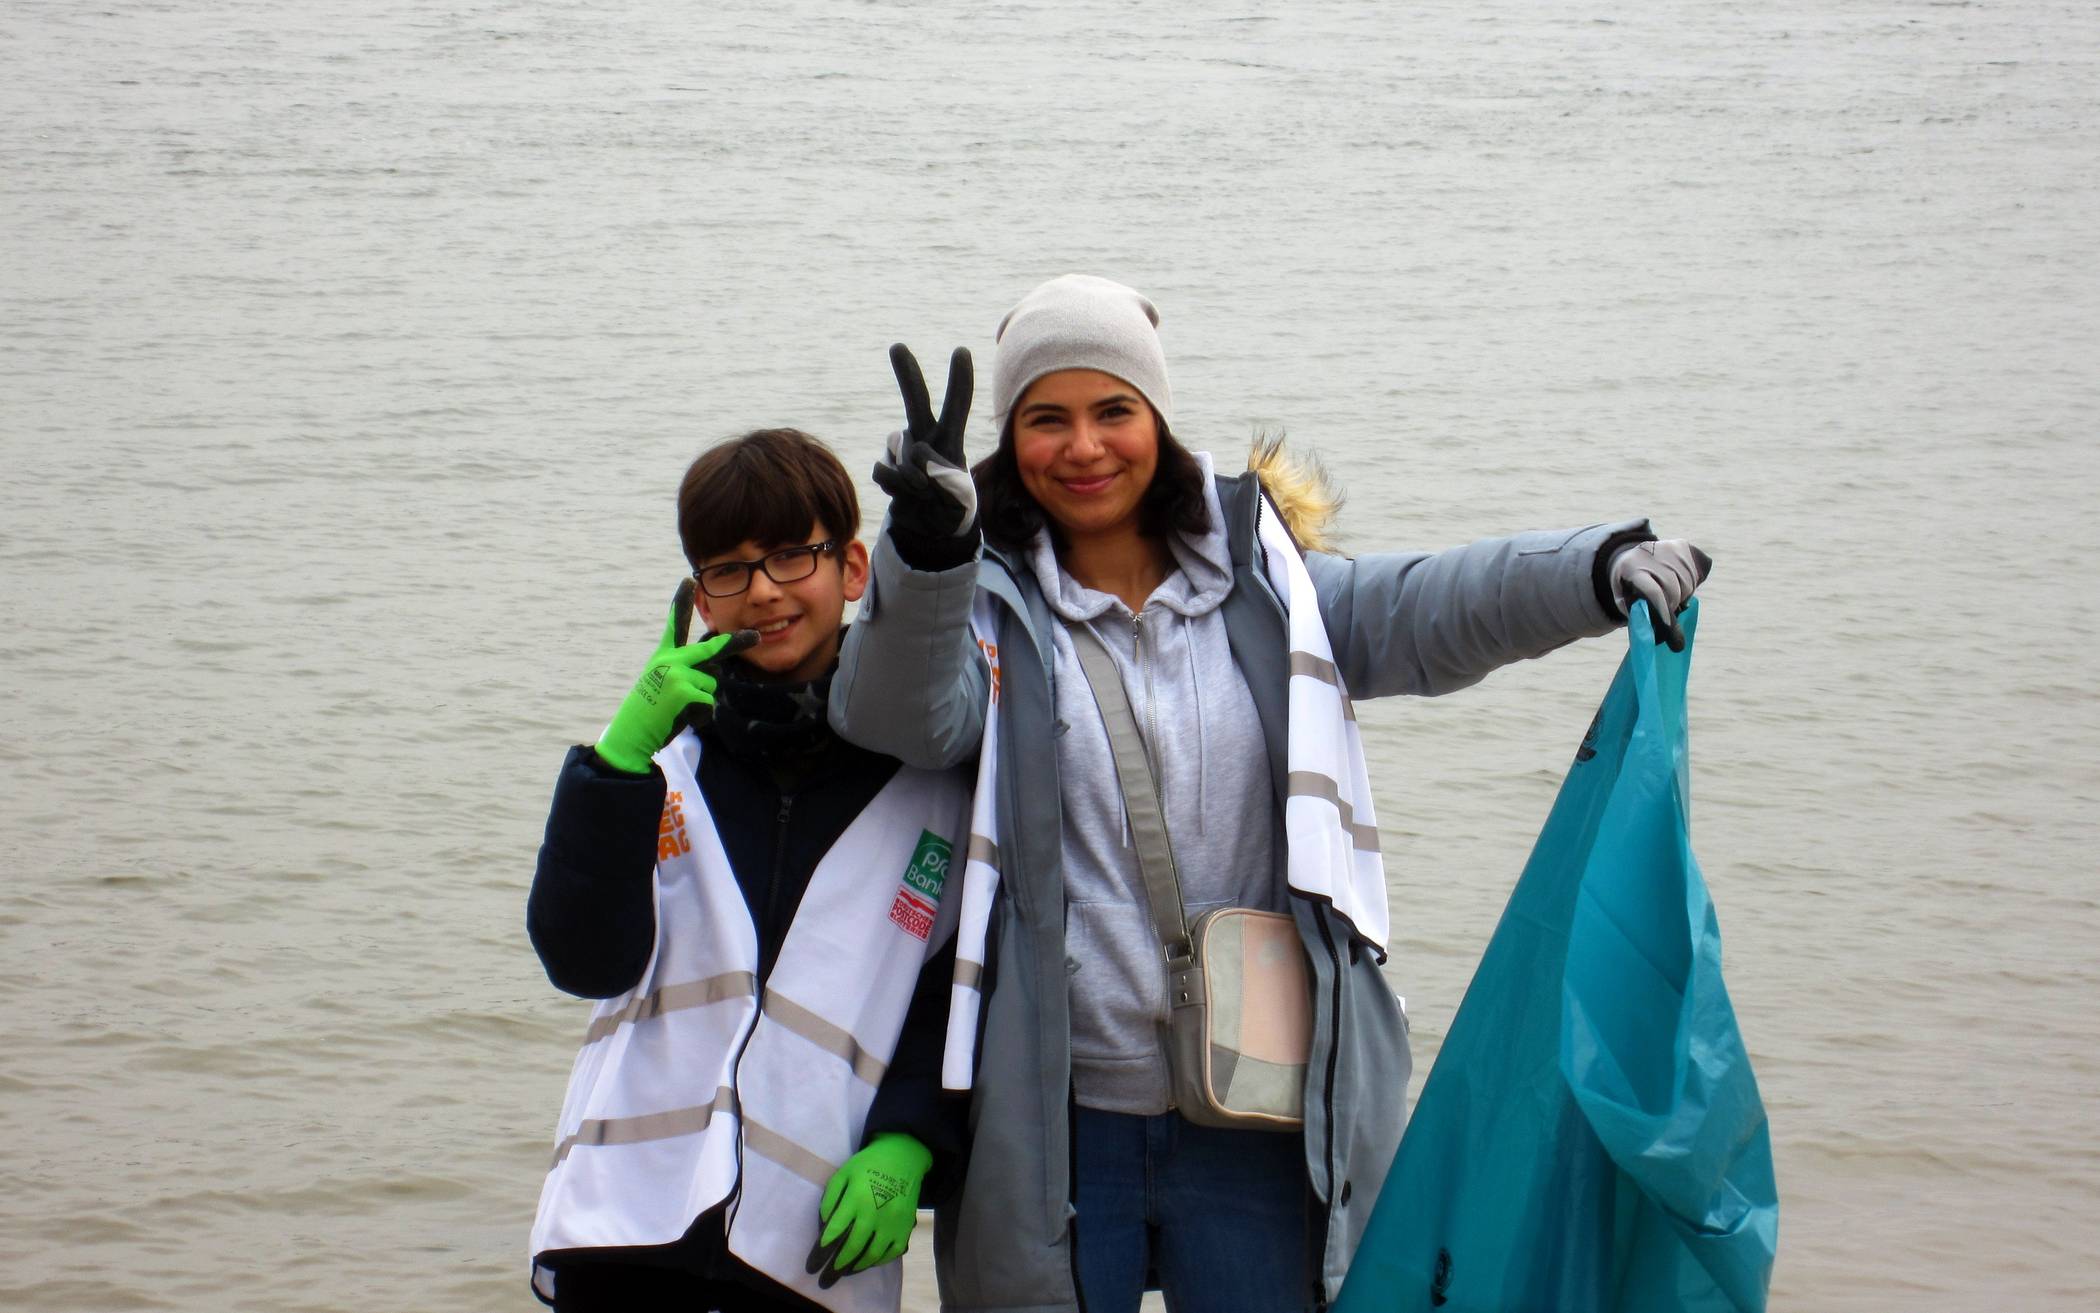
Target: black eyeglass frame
x=813, y=552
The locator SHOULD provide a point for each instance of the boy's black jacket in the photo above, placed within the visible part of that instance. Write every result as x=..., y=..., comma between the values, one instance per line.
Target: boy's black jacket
x=779, y=802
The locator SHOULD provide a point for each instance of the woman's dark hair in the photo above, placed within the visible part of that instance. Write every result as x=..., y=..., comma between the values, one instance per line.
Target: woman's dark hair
x=771, y=486
x=1010, y=517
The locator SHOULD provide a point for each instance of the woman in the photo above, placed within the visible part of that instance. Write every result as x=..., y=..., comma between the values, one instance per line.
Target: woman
x=1082, y=1183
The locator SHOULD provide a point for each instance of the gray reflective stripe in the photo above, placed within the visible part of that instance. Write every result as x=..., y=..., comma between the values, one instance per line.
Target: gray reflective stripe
x=983, y=850
x=769, y=1143
x=672, y=998
x=968, y=974
x=1305, y=663
x=835, y=1040
x=648, y=1126
x=1308, y=784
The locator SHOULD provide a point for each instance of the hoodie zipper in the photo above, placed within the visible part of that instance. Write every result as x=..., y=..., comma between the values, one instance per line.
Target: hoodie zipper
x=1137, y=648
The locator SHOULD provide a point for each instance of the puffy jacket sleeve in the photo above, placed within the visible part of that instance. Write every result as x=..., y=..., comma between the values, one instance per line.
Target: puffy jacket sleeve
x=592, y=910
x=911, y=680
x=1429, y=623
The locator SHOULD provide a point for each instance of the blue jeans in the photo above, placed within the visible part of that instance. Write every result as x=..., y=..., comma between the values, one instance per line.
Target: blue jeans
x=1219, y=1217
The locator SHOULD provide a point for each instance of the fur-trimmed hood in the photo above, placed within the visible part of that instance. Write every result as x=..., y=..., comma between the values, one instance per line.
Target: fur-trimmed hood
x=1299, y=486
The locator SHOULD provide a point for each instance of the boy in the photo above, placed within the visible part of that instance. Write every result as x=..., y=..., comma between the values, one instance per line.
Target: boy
x=759, y=904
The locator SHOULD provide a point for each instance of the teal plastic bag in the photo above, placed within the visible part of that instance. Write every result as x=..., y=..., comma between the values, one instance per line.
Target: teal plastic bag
x=1590, y=1139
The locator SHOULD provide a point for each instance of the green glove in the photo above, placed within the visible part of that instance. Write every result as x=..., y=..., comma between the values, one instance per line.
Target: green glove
x=675, y=678
x=870, y=1207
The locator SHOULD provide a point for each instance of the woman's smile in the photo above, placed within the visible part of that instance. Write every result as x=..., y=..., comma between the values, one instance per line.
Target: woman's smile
x=1086, y=485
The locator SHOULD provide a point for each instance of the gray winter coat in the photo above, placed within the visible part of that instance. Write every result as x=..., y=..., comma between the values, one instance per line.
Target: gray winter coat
x=911, y=683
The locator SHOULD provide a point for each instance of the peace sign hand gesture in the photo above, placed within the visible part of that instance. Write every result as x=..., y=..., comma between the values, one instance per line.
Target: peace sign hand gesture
x=923, y=468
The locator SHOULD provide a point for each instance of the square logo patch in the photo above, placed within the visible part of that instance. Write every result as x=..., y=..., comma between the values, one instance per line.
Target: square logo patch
x=919, y=890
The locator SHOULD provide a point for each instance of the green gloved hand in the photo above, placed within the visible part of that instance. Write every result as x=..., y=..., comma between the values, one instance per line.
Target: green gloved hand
x=675, y=678
x=869, y=1207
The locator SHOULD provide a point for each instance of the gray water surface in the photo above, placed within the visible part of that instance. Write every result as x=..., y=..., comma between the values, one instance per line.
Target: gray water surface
x=349, y=356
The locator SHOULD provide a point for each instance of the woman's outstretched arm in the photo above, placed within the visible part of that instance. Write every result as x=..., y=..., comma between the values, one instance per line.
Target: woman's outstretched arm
x=1429, y=623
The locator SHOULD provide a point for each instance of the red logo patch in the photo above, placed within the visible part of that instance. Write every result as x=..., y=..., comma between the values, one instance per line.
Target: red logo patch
x=913, y=914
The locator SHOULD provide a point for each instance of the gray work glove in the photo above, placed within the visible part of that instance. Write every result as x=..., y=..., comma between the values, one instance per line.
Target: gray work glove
x=923, y=469
x=1663, y=574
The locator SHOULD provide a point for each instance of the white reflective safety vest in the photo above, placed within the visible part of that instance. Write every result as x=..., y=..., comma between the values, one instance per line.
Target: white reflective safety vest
x=691, y=1090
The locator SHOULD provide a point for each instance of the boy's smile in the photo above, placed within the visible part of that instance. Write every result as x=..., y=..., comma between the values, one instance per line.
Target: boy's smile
x=798, y=623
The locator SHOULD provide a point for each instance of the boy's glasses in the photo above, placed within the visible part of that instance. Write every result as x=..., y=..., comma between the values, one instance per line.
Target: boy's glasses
x=786, y=566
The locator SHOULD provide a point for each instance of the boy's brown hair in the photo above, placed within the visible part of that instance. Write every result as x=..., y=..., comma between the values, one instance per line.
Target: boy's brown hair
x=769, y=486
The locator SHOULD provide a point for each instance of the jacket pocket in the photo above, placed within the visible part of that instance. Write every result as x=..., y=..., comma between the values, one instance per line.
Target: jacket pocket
x=1118, y=979
x=1117, y=982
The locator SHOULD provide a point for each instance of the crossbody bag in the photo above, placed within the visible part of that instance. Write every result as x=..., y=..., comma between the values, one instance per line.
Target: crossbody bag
x=1238, y=1031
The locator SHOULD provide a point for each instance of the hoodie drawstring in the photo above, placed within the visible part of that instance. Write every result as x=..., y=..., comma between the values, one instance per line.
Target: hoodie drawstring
x=1202, y=757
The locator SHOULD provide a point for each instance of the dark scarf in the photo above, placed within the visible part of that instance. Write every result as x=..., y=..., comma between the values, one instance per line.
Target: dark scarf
x=771, y=721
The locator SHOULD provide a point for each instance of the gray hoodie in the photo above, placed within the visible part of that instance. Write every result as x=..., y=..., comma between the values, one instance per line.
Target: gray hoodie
x=1204, y=739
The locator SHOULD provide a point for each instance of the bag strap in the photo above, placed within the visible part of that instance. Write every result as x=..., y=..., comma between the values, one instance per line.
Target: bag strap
x=1148, y=823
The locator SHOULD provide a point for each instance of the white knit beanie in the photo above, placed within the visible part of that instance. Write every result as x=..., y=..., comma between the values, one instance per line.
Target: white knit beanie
x=1080, y=322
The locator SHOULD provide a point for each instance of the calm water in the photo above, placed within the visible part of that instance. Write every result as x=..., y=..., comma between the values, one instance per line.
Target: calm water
x=349, y=356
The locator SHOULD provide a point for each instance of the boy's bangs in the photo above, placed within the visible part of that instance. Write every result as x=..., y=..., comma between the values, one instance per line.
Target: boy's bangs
x=771, y=487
